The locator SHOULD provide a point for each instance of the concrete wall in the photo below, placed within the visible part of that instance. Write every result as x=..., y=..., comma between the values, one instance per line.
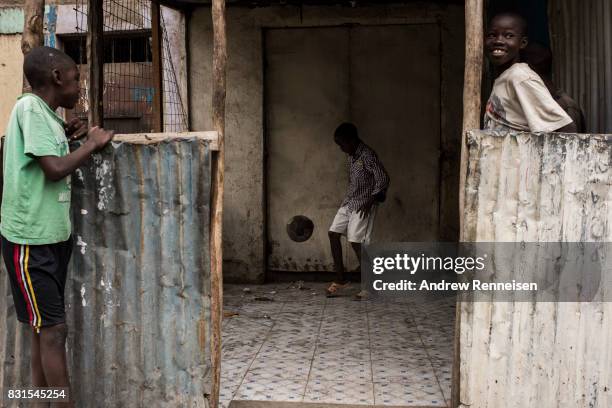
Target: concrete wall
x=11, y=25
x=244, y=212
x=10, y=75
x=11, y=65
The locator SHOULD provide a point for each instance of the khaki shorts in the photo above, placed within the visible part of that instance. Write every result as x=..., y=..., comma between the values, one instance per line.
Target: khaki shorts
x=353, y=226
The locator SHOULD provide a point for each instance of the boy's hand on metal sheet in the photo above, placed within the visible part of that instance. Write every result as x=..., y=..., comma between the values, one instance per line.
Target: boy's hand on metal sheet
x=99, y=136
x=56, y=168
x=75, y=129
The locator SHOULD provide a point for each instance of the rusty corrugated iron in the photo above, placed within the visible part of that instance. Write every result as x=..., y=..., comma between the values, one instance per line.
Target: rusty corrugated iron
x=581, y=34
x=137, y=297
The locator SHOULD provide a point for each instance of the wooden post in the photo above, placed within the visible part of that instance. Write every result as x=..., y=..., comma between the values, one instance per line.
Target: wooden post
x=216, y=225
x=471, y=120
x=471, y=85
x=157, y=49
x=95, y=61
x=32, y=36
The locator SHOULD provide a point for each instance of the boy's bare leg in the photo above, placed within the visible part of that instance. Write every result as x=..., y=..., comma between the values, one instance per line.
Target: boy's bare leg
x=38, y=376
x=357, y=248
x=336, y=249
x=363, y=294
x=53, y=358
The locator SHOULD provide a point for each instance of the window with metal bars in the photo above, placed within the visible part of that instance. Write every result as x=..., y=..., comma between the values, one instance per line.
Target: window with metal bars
x=129, y=84
x=126, y=48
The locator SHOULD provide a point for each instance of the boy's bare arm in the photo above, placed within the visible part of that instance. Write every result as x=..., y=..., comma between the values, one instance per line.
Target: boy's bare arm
x=56, y=168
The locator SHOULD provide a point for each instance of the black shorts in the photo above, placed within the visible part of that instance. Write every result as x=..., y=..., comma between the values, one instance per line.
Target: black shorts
x=38, y=277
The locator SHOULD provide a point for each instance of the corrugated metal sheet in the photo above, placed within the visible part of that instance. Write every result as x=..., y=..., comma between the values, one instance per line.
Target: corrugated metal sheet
x=581, y=35
x=138, y=295
x=538, y=188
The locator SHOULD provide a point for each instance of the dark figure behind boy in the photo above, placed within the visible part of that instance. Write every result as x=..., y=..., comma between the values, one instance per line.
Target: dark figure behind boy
x=520, y=100
x=368, y=183
x=35, y=228
x=540, y=59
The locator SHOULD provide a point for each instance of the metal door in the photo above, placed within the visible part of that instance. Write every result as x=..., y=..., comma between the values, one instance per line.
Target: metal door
x=386, y=80
x=395, y=102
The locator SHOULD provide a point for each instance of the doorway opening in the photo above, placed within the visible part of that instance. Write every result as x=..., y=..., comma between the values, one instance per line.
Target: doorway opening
x=285, y=340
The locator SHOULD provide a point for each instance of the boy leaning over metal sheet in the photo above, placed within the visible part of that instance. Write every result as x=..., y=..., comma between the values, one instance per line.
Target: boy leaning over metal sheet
x=35, y=221
x=520, y=101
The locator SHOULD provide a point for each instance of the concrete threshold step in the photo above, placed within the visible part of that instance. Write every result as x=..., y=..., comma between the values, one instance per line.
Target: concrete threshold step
x=288, y=404
x=290, y=276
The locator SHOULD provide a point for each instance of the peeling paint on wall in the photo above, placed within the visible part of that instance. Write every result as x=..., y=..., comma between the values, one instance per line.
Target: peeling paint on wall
x=11, y=20
x=81, y=244
x=83, y=300
x=50, y=25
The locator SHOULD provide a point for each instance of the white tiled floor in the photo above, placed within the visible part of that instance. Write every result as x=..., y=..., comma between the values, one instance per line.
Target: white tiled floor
x=305, y=347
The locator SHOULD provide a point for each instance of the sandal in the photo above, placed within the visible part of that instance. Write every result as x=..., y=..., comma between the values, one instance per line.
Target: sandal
x=334, y=289
x=362, y=295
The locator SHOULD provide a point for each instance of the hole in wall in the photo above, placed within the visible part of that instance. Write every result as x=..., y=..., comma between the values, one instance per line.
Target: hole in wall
x=300, y=228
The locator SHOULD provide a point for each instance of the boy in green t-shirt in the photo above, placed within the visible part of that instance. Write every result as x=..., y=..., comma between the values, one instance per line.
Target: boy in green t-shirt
x=35, y=220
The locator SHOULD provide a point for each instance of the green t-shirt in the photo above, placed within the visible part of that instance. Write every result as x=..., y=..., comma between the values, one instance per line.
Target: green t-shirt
x=35, y=210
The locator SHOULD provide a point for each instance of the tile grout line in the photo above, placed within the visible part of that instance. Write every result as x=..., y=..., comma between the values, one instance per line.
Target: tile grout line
x=429, y=358
x=258, y=350
x=314, y=353
x=226, y=326
x=367, y=314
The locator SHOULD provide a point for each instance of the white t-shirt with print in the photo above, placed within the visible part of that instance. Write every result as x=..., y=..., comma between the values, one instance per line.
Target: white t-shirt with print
x=521, y=101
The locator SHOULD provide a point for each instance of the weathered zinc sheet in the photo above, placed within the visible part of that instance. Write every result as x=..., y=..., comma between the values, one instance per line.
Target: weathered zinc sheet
x=137, y=298
x=581, y=33
x=538, y=188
